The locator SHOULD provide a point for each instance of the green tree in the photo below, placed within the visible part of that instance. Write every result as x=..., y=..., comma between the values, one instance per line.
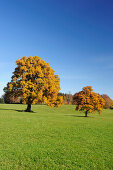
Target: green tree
x=2, y=99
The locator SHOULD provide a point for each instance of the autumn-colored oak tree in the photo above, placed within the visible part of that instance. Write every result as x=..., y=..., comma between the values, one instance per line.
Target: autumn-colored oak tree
x=111, y=107
x=34, y=80
x=88, y=101
x=108, y=101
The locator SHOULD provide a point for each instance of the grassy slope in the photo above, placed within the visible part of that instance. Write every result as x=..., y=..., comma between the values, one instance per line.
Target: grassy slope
x=55, y=138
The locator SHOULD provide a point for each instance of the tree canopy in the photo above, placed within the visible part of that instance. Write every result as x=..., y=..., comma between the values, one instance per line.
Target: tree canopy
x=35, y=81
x=108, y=101
x=111, y=107
x=88, y=101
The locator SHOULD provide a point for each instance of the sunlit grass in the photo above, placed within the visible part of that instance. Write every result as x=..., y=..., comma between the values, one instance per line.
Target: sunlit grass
x=55, y=138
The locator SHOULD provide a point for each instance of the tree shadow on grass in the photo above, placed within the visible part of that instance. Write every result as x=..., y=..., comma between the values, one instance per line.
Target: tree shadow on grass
x=79, y=116
x=18, y=110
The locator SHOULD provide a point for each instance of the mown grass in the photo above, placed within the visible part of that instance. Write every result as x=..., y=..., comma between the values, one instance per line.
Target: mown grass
x=55, y=138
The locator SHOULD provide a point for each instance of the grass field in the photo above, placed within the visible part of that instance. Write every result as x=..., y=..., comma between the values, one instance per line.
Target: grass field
x=55, y=138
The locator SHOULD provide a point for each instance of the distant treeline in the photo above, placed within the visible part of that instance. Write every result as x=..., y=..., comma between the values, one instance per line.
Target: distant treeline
x=67, y=99
x=9, y=99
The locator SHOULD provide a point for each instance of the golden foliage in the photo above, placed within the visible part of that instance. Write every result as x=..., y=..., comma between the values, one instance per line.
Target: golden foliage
x=111, y=105
x=35, y=81
x=89, y=101
x=108, y=101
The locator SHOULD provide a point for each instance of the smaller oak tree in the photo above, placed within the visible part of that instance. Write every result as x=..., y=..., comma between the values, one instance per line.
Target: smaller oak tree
x=111, y=107
x=34, y=80
x=88, y=101
x=108, y=101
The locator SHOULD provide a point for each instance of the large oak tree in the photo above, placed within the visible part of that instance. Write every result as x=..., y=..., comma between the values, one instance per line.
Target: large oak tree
x=34, y=80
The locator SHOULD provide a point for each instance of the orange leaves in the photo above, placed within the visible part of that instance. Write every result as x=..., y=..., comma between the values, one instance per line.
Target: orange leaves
x=35, y=80
x=56, y=101
x=111, y=105
x=10, y=86
x=87, y=89
x=108, y=101
x=89, y=101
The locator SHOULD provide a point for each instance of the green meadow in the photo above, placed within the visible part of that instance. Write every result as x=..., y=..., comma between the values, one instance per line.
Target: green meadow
x=55, y=138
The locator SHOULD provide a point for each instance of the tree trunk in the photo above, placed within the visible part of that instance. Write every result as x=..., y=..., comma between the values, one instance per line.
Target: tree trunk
x=86, y=114
x=28, y=108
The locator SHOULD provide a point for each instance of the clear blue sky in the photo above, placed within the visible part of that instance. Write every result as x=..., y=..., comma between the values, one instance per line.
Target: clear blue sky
x=74, y=36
